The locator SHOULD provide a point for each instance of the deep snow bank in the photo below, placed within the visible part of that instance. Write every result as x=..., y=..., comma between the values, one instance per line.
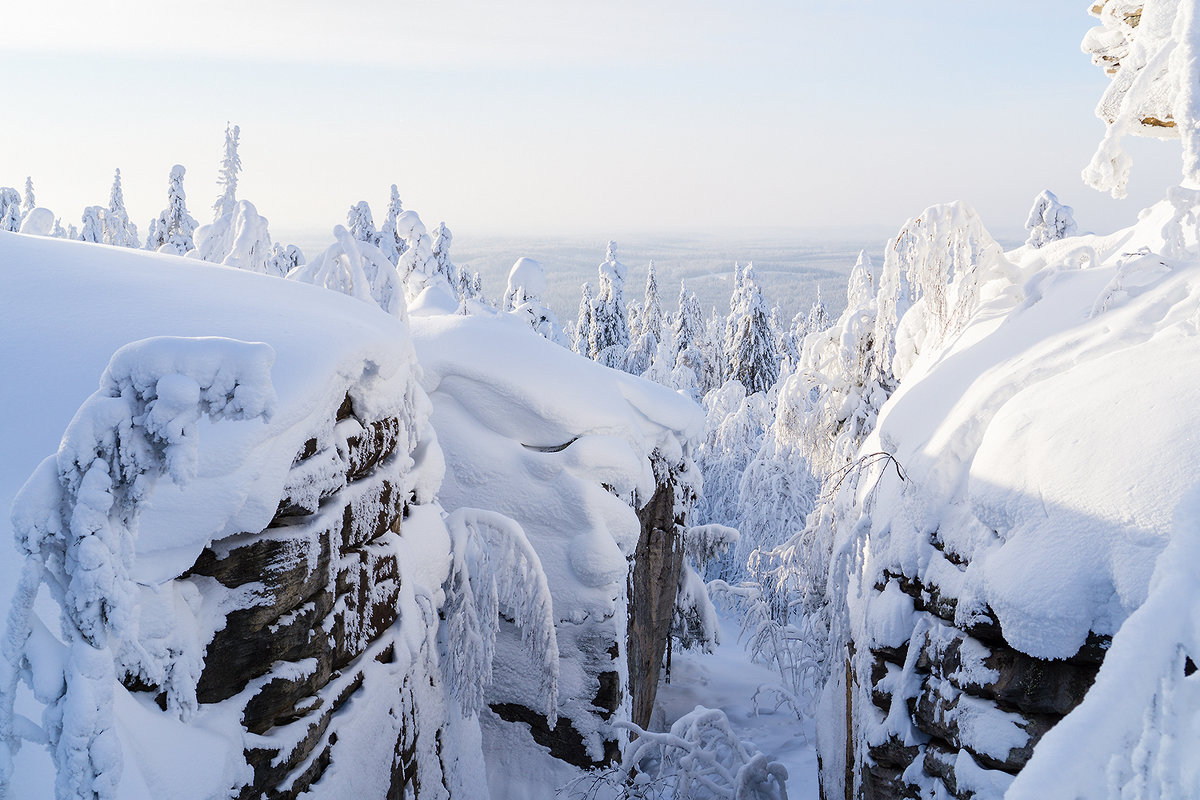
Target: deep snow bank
x=1046, y=450
x=571, y=450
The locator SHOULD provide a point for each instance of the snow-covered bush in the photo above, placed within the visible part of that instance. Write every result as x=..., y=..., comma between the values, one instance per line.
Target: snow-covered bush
x=76, y=520
x=700, y=758
x=358, y=269
x=1049, y=220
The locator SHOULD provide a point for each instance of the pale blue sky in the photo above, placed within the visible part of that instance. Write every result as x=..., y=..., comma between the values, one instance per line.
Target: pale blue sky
x=559, y=116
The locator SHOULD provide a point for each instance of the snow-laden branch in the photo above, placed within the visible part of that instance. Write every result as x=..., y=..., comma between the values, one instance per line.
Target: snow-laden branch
x=700, y=757
x=76, y=520
x=495, y=569
x=358, y=269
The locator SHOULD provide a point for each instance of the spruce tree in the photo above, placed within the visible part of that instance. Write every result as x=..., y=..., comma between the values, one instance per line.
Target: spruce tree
x=173, y=231
x=231, y=165
x=442, y=239
x=92, y=224
x=584, y=322
x=29, y=202
x=361, y=224
x=1049, y=220
x=118, y=230
x=752, y=356
x=390, y=241
x=610, y=330
x=818, y=316
x=10, y=209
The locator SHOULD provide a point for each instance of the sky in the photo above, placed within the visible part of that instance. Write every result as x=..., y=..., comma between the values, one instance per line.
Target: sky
x=557, y=117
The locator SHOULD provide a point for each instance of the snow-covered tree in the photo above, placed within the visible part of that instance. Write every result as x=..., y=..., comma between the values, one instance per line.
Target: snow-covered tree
x=752, y=357
x=818, y=315
x=10, y=209
x=651, y=327
x=361, y=224
x=442, y=239
x=523, y=298
x=583, y=322
x=285, y=259
x=417, y=265
x=59, y=231
x=174, y=229
x=92, y=224
x=609, y=335
x=118, y=230
x=250, y=248
x=227, y=179
x=390, y=241
x=1049, y=220
x=712, y=347
x=29, y=203
x=358, y=269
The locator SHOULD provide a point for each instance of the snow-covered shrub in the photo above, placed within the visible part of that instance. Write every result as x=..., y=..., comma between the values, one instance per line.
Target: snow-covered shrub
x=700, y=758
x=1049, y=220
x=358, y=269
x=76, y=520
x=10, y=209
x=496, y=570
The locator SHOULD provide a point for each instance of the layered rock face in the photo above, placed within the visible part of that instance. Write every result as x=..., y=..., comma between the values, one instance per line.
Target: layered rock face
x=976, y=705
x=317, y=599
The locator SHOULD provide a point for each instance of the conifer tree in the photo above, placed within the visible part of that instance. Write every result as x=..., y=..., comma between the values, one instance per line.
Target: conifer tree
x=92, y=225
x=174, y=229
x=583, y=323
x=361, y=224
x=29, y=202
x=10, y=209
x=652, y=313
x=118, y=230
x=818, y=316
x=442, y=239
x=284, y=259
x=390, y=241
x=231, y=165
x=610, y=329
x=752, y=357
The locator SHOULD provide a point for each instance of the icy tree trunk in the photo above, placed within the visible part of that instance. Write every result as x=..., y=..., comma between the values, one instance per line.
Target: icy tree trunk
x=653, y=583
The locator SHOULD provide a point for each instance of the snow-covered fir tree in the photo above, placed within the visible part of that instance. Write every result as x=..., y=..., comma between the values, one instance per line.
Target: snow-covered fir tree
x=174, y=229
x=583, y=322
x=10, y=209
x=227, y=179
x=737, y=301
x=818, y=315
x=753, y=359
x=390, y=241
x=118, y=230
x=650, y=327
x=609, y=334
x=442, y=239
x=1049, y=220
x=92, y=224
x=712, y=347
x=29, y=202
x=361, y=224
x=59, y=231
